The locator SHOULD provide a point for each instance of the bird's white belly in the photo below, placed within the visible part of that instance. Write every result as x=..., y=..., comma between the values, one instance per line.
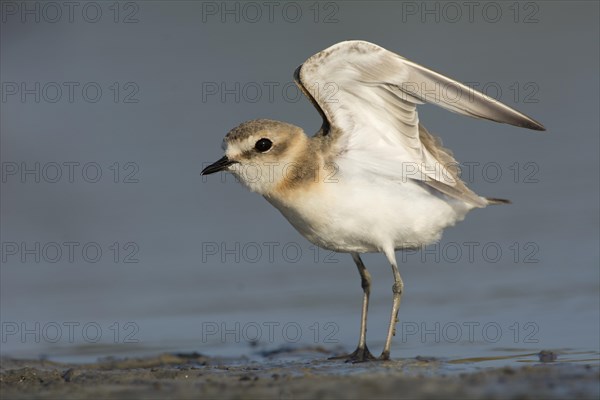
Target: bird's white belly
x=370, y=216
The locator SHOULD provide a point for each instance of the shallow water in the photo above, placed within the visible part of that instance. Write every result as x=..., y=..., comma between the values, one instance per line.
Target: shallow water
x=254, y=309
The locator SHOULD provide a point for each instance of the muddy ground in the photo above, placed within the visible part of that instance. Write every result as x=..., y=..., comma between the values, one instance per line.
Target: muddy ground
x=297, y=374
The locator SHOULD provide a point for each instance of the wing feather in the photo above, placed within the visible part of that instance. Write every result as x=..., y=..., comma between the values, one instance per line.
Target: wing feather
x=367, y=97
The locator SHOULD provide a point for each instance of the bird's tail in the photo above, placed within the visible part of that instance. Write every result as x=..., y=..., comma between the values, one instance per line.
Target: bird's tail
x=495, y=201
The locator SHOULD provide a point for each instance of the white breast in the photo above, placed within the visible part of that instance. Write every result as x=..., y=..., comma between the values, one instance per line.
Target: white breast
x=368, y=216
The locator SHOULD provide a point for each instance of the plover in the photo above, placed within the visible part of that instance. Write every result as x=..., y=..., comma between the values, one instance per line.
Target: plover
x=372, y=179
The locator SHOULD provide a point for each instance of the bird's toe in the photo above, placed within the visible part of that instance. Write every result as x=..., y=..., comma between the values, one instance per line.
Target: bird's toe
x=357, y=356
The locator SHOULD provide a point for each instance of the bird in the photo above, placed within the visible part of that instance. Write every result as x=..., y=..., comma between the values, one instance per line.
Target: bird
x=372, y=179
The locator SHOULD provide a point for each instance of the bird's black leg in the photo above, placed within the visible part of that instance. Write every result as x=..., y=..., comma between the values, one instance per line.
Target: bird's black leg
x=362, y=353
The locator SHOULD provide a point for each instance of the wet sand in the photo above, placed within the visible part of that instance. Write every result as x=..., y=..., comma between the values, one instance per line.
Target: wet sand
x=291, y=374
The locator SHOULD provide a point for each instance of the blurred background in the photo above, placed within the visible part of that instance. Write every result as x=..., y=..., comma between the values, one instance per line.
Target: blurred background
x=112, y=244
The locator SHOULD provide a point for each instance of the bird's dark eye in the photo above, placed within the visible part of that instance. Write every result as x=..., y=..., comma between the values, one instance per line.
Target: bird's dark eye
x=263, y=145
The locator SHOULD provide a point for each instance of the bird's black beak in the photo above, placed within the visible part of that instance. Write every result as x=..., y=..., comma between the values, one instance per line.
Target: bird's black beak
x=217, y=166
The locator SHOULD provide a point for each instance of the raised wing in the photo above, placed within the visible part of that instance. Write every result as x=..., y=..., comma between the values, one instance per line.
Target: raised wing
x=367, y=97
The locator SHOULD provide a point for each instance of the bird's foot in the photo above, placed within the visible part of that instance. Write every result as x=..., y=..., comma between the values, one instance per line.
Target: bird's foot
x=357, y=356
